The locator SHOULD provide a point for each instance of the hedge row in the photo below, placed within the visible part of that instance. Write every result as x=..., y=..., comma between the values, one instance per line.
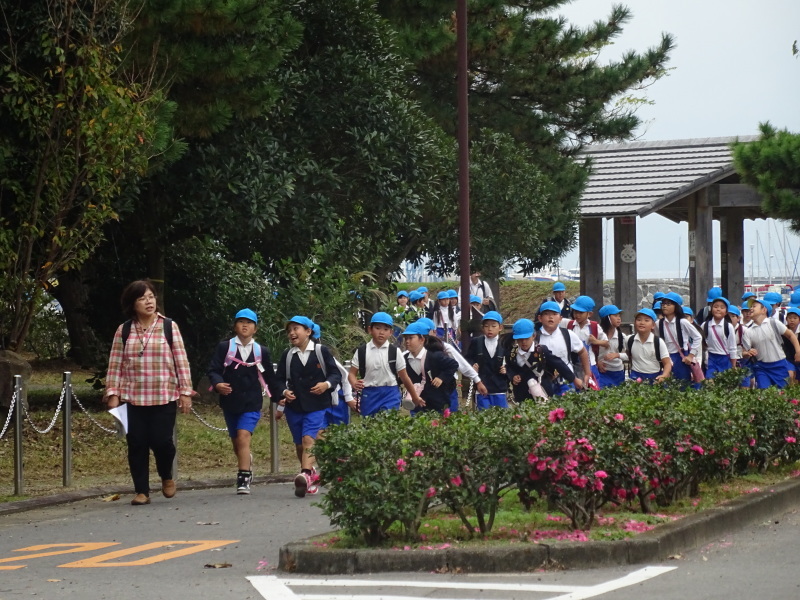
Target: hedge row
x=635, y=444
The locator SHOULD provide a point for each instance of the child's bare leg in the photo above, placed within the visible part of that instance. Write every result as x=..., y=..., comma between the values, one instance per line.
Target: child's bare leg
x=307, y=460
x=298, y=448
x=241, y=446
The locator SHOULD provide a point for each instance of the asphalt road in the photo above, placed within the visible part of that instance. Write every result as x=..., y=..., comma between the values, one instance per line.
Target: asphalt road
x=114, y=550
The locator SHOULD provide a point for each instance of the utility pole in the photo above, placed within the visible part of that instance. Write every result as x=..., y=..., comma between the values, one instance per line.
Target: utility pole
x=463, y=164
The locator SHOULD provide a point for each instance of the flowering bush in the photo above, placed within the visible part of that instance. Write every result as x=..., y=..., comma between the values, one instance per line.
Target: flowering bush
x=631, y=444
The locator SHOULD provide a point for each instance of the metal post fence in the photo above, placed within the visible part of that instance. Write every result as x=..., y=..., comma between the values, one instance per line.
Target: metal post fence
x=19, y=487
x=275, y=457
x=66, y=444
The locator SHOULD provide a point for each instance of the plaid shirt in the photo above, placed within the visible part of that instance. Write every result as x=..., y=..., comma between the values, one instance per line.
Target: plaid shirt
x=149, y=379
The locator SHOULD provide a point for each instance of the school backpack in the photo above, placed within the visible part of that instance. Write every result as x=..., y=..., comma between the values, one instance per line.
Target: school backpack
x=362, y=359
x=656, y=347
x=321, y=360
x=725, y=329
x=230, y=357
x=126, y=331
x=593, y=330
x=491, y=306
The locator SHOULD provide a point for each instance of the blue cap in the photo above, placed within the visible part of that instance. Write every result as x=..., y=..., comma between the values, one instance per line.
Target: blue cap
x=550, y=305
x=452, y=294
x=416, y=328
x=794, y=299
x=673, y=297
x=765, y=304
x=246, y=313
x=583, y=304
x=493, y=315
x=422, y=289
x=647, y=312
x=415, y=296
x=381, y=318
x=427, y=323
x=747, y=295
x=793, y=311
x=773, y=297
x=658, y=296
x=714, y=293
x=657, y=305
x=316, y=332
x=473, y=299
x=687, y=310
x=607, y=310
x=402, y=293
x=722, y=299
x=443, y=295
x=300, y=320
x=559, y=287
x=523, y=329
x=734, y=310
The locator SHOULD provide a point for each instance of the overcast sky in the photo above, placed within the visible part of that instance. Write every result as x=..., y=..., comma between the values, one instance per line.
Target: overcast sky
x=732, y=69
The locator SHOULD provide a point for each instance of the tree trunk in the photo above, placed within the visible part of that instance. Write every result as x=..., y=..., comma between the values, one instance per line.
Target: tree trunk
x=72, y=294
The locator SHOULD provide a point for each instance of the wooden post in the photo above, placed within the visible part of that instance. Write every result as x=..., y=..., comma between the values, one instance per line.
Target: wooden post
x=591, y=259
x=626, y=285
x=732, y=246
x=701, y=255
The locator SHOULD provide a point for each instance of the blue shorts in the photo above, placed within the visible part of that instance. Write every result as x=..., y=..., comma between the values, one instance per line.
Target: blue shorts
x=374, y=399
x=454, y=400
x=559, y=389
x=483, y=402
x=717, y=363
x=305, y=424
x=769, y=374
x=611, y=378
x=236, y=421
x=339, y=414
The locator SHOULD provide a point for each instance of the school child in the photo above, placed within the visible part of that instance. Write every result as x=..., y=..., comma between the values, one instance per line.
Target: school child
x=375, y=368
x=777, y=312
x=793, y=325
x=735, y=313
x=454, y=298
x=240, y=371
x=398, y=312
x=590, y=334
x=562, y=343
x=705, y=313
x=612, y=358
x=560, y=297
x=535, y=371
x=747, y=315
x=429, y=303
x=478, y=287
x=746, y=296
x=445, y=318
x=764, y=345
x=650, y=360
x=416, y=307
x=486, y=354
x=464, y=367
x=342, y=402
x=307, y=375
x=475, y=306
x=657, y=297
x=683, y=341
x=720, y=337
x=429, y=368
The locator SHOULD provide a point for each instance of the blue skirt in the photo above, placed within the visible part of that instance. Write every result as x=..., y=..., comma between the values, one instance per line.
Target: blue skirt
x=378, y=398
x=769, y=374
x=680, y=370
x=339, y=414
x=454, y=400
x=483, y=402
x=611, y=378
x=717, y=363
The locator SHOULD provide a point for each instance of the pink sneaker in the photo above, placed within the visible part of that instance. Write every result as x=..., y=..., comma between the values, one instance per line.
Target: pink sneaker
x=301, y=484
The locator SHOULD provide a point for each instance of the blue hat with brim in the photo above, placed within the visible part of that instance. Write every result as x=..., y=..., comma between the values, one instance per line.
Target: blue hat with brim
x=793, y=311
x=522, y=329
x=246, y=313
x=658, y=296
x=416, y=328
x=747, y=295
x=301, y=320
x=583, y=304
x=493, y=315
x=443, y=295
x=765, y=303
x=647, y=312
x=794, y=300
x=721, y=299
x=316, y=331
x=426, y=322
x=452, y=294
x=657, y=305
x=673, y=297
x=608, y=310
x=713, y=294
x=422, y=289
x=773, y=297
x=473, y=299
x=559, y=287
x=402, y=293
x=687, y=310
x=381, y=318
x=551, y=306
x=415, y=296
x=734, y=310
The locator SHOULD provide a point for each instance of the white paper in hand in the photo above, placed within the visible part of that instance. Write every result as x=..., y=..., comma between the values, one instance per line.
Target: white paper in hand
x=120, y=413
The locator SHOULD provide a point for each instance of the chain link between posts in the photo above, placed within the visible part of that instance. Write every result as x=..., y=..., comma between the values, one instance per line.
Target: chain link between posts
x=88, y=414
x=10, y=412
x=206, y=423
x=52, y=421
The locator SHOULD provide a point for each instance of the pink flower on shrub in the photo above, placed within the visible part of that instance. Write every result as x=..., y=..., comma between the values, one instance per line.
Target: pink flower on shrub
x=598, y=485
x=638, y=380
x=600, y=474
x=542, y=465
x=619, y=417
x=532, y=458
x=401, y=464
x=456, y=481
x=650, y=443
x=434, y=423
x=556, y=415
x=534, y=476
x=698, y=449
x=419, y=453
x=752, y=442
x=431, y=492
x=482, y=489
x=446, y=413
x=656, y=422
x=793, y=401
x=789, y=439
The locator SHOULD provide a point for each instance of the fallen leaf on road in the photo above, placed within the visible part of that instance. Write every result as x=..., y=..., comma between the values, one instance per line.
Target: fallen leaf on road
x=53, y=580
x=209, y=523
x=705, y=558
x=111, y=498
x=218, y=566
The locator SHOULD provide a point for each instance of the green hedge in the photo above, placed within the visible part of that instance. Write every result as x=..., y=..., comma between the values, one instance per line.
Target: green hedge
x=637, y=445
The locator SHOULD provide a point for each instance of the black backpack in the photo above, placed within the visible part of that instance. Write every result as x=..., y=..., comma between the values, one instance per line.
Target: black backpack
x=656, y=347
x=362, y=359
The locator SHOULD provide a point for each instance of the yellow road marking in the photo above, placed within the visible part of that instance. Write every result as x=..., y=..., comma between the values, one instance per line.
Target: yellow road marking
x=77, y=547
x=103, y=560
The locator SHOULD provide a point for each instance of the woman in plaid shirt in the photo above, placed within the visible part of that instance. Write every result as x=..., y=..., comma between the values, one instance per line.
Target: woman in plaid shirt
x=152, y=376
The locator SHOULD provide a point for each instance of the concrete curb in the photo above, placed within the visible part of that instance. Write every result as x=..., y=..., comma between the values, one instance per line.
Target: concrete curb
x=652, y=546
x=7, y=508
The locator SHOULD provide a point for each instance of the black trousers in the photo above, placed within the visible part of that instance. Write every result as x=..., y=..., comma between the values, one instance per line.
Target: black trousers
x=150, y=428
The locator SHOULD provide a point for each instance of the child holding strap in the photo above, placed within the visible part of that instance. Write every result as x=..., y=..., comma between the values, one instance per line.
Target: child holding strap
x=650, y=360
x=682, y=339
x=589, y=333
x=561, y=343
x=612, y=359
x=486, y=354
x=720, y=337
x=763, y=344
x=429, y=367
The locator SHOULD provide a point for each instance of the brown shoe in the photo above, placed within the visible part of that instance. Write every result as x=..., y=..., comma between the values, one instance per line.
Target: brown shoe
x=140, y=499
x=168, y=488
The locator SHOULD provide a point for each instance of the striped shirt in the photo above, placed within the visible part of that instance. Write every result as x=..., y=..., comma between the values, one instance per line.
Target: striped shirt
x=144, y=371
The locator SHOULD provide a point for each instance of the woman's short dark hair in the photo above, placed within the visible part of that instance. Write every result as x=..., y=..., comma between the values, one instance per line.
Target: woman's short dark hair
x=132, y=292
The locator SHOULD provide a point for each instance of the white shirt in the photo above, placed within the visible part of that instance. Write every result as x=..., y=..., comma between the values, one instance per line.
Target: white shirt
x=745, y=335
x=491, y=345
x=302, y=354
x=615, y=364
x=716, y=332
x=583, y=333
x=555, y=342
x=765, y=339
x=463, y=366
x=441, y=317
x=476, y=289
x=689, y=334
x=347, y=389
x=416, y=362
x=377, y=372
x=643, y=356
x=244, y=349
